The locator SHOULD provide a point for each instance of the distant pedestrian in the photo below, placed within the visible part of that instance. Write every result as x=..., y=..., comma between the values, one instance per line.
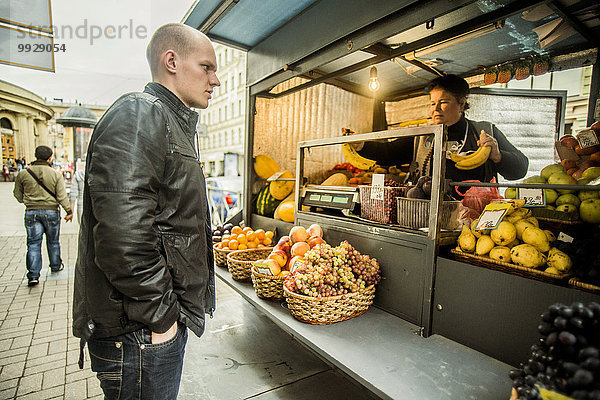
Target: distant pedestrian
x=19, y=166
x=42, y=190
x=23, y=163
x=76, y=191
x=145, y=266
x=6, y=172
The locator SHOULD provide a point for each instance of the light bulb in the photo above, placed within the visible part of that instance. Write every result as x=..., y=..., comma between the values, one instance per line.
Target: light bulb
x=373, y=81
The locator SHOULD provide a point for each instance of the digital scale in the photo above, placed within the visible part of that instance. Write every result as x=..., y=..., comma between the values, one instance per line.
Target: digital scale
x=335, y=197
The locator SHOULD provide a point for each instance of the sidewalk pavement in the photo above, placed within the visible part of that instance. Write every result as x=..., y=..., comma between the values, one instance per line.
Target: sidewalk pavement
x=241, y=355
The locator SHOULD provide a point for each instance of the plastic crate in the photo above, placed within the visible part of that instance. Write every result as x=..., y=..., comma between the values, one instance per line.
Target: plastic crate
x=383, y=211
x=414, y=213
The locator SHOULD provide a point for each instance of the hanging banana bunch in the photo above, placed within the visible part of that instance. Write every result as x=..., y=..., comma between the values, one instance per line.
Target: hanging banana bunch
x=352, y=156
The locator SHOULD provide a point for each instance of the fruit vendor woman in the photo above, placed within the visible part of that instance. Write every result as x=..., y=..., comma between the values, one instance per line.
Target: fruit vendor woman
x=448, y=102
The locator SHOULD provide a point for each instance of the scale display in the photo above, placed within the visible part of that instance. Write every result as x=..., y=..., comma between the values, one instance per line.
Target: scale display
x=340, y=200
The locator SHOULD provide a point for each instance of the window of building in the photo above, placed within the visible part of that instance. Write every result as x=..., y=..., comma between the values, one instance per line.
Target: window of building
x=225, y=112
x=225, y=87
x=220, y=116
x=241, y=83
x=240, y=107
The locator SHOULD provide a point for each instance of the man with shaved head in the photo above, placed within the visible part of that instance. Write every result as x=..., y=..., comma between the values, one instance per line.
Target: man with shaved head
x=145, y=271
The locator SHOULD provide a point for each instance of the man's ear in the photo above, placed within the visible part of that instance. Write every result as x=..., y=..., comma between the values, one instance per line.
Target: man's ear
x=170, y=61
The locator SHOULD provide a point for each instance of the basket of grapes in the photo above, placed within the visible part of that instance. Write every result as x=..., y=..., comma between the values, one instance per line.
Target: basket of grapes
x=239, y=262
x=565, y=363
x=332, y=285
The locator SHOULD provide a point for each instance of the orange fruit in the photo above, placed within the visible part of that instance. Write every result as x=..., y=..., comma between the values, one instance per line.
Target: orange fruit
x=260, y=245
x=233, y=244
x=224, y=243
x=269, y=234
x=225, y=237
x=251, y=245
x=247, y=229
x=242, y=247
x=241, y=238
x=251, y=236
x=260, y=234
x=267, y=242
x=219, y=245
x=236, y=230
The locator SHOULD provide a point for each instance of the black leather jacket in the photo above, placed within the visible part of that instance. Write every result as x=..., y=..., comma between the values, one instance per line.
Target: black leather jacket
x=145, y=249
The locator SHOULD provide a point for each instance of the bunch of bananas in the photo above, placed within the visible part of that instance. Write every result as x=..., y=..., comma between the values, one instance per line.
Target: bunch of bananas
x=352, y=156
x=473, y=160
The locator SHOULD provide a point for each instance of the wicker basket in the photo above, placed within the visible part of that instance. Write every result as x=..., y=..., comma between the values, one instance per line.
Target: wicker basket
x=239, y=262
x=513, y=269
x=220, y=256
x=267, y=287
x=327, y=310
x=579, y=284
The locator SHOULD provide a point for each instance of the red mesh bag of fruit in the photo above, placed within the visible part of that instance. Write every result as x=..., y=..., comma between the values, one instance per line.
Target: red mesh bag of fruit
x=476, y=198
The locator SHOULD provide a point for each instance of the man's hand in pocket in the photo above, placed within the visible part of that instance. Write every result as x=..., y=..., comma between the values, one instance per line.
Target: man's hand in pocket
x=163, y=337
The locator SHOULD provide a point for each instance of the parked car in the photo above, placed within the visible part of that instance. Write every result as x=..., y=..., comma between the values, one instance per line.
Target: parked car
x=224, y=196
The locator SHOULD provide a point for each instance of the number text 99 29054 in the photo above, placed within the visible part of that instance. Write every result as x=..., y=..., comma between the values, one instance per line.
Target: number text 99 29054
x=41, y=48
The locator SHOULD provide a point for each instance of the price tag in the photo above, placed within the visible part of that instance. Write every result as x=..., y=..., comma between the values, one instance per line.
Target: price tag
x=377, y=186
x=551, y=395
x=587, y=138
x=275, y=176
x=532, y=197
x=492, y=215
x=262, y=270
x=563, y=237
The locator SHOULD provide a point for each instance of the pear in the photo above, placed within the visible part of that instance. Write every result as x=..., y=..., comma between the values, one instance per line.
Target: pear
x=513, y=243
x=559, y=260
x=504, y=233
x=551, y=195
x=537, y=238
x=552, y=270
x=521, y=225
x=527, y=256
x=518, y=214
x=500, y=253
x=510, y=193
x=551, y=169
x=484, y=245
x=588, y=194
x=568, y=198
x=550, y=235
x=533, y=221
x=476, y=233
x=467, y=240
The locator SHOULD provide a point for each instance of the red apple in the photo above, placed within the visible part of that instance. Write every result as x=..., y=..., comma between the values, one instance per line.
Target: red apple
x=299, y=249
x=589, y=163
x=596, y=127
x=298, y=234
x=284, y=239
x=577, y=174
x=315, y=230
x=315, y=240
x=586, y=151
x=280, y=256
x=569, y=141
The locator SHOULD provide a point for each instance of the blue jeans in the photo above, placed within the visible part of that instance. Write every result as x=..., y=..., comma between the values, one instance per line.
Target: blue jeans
x=130, y=367
x=38, y=222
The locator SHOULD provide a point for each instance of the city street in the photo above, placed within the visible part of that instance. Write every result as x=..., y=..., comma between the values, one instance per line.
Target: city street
x=242, y=354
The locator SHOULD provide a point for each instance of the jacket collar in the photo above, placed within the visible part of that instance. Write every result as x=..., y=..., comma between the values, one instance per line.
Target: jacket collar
x=173, y=102
x=41, y=162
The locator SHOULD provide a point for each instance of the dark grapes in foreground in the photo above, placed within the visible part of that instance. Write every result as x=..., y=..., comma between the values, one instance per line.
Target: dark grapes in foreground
x=567, y=358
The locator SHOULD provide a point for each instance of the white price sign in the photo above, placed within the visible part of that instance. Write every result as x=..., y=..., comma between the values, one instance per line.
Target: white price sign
x=532, y=197
x=377, y=186
x=587, y=138
x=491, y=216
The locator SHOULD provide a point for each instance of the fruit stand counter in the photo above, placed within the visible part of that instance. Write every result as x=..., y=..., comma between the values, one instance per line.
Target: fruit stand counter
x=384, y=354
x=492, y=311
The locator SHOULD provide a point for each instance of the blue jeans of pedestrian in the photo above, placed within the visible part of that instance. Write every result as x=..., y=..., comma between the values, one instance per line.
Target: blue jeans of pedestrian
x=38, y=222
x=129, y=366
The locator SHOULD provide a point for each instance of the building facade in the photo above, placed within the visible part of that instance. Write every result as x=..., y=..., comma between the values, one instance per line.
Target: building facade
x=221, y=125
x=24, y=120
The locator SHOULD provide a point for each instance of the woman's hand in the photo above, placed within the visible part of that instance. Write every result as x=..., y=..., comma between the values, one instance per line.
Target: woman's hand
x=485, y=140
